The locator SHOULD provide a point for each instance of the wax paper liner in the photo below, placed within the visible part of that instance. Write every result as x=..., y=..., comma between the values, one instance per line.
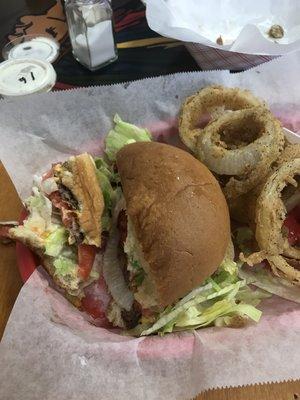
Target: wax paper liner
x=48, y=349
x=243, y=27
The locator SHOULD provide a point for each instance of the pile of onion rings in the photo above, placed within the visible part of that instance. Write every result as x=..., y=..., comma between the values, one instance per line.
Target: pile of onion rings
x=280, y=194
x=240, y=141
x=243, y=144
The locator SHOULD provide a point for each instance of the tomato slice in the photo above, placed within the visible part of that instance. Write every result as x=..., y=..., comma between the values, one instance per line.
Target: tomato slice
x=50, y=173
x=86, y=258
x=292, y=223
x=96, y=302
x=47, y=175
x=68, y=215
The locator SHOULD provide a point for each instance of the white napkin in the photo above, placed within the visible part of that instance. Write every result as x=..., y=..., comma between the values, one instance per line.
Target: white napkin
x=243, y=25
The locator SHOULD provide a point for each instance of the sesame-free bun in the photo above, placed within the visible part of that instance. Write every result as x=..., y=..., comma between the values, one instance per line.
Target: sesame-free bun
x=84, y=185
x=179, y=215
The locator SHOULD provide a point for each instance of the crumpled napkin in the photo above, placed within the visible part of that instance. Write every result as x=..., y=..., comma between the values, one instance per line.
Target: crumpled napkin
x=243, y=25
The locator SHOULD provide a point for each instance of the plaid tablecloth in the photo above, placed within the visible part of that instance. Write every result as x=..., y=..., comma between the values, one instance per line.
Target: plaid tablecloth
x=142, y=53
x=210, y=58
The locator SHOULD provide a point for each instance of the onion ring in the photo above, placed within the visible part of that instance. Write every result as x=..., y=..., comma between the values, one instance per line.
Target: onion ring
x=242, y=156
x=271, y=211
x=242, y=208
x=213, y=100
x=248, y=156
x=289, y=153
x=280, y=267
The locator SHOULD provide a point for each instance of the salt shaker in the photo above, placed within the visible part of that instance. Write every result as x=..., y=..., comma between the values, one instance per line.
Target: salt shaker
x=91, y=32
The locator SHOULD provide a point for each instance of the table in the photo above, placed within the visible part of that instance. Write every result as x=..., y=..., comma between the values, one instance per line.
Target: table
x=142, y=53
x=138, y=47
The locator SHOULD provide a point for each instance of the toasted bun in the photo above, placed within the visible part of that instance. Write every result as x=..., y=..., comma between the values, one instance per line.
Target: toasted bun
x=84, y=185
x=179, y=215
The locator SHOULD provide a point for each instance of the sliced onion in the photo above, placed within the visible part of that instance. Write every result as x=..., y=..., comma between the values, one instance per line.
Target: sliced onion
x=113, y=274
x=49, y=185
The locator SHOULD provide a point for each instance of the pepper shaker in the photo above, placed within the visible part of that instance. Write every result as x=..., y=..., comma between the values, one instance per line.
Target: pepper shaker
x=91, y=32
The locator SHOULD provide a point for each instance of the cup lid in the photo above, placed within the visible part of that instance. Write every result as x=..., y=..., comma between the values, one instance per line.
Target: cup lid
x=37, y=47
x=25, y=76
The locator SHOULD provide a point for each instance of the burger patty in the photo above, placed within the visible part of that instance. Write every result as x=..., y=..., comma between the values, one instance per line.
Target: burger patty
x=104, y=240
x=122, y=228
x=131, y=317
x=63, y=200
x=68, y=196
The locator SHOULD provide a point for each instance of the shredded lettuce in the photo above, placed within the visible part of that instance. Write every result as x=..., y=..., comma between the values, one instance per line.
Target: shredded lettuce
x=134, y=265
x=38, y=225
x=223, y=300
x=122, y=134
x=107, y=170
x=40, y=212
x=66, y=271
x=186, y=313
x=65, y=266
x=253, y=297
x=204, y=309
x=106, y=177
x=228, y=266
x=217, y=310
x=139, y=277
x=108, y=195
x=106, y=188
x=55, y=242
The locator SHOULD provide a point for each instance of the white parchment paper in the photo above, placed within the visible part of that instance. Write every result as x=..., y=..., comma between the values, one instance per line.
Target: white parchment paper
x=48, y=350
x=243, y=25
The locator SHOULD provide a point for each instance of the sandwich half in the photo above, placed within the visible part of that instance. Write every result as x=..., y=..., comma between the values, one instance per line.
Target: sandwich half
x=168, y=264
x=64, y=222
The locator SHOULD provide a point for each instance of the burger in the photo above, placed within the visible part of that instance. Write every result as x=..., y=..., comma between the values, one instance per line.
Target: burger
x=168, y=264
x=171, y=233
x=148, y=225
